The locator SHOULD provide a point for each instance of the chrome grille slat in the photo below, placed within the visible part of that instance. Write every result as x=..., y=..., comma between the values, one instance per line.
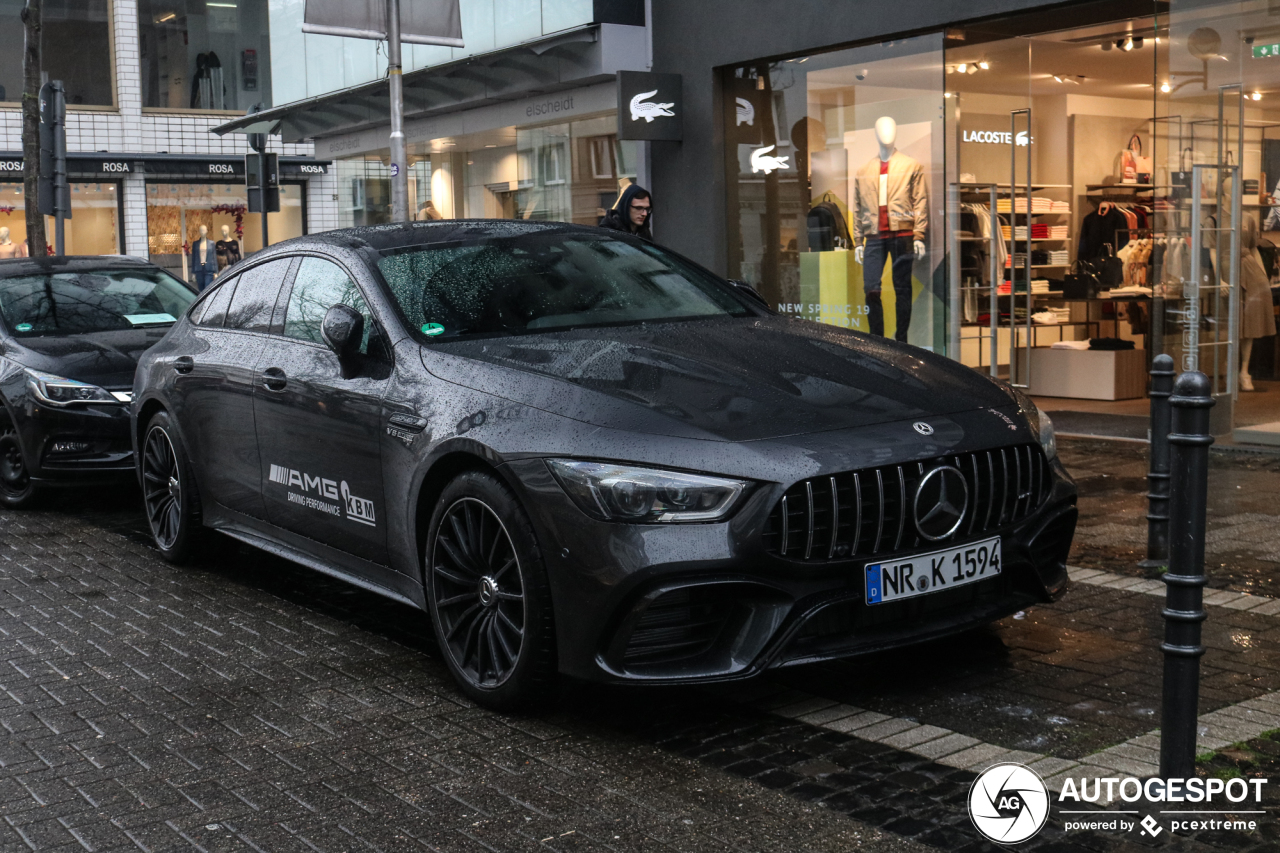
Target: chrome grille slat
x=786, y=526
x=835, y=519
x=1006, y=486
x=857, y=512
x=808, y=545
x=875, y=549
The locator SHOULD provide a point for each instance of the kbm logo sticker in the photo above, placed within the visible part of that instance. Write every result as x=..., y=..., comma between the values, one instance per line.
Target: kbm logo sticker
x=1008, y=803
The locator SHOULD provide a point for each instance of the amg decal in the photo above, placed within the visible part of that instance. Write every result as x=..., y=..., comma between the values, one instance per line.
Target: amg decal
x=356, y=509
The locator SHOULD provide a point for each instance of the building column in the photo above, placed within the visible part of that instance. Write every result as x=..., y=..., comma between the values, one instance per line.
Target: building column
x=135, y=216
x=128, y=68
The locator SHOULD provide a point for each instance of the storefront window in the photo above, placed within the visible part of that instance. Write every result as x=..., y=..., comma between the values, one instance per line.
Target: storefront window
x=93, y=229
x=364, y=191
x=76, y=50
x=175, y=213
x=836, y=186
x=199, y=55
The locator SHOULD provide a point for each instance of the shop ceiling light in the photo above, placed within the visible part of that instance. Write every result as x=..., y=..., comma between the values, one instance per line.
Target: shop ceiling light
x=1127, y=44
x=1138, y=42
x=963, y=68
x=984, y=65
x=1257, y=96
x=1166, y=88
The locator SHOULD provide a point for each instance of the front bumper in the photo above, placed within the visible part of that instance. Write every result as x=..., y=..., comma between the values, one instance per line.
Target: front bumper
x=706, y=602
x=75, y=445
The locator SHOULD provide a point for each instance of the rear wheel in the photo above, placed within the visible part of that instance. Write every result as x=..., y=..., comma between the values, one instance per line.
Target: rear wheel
x=169, y=491
x=488, y=594
x=16, y=489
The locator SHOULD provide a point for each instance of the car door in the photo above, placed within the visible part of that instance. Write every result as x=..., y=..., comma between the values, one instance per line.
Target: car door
x=212, y=391
x=319, y=433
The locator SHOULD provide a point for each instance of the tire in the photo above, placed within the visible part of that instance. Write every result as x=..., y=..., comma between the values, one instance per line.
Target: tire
x=488, y=595
x=169, y=494
x=17, y=491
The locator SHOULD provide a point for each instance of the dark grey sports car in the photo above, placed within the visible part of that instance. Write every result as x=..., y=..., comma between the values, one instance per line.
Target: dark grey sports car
x=585, y=455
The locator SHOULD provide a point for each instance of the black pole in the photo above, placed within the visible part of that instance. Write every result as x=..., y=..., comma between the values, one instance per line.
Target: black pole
x=262, y=180
x=1162, y=374
x=1189, y=443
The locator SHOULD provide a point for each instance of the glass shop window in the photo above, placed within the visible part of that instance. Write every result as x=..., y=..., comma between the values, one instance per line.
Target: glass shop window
x=199, y=55
x=76, y=50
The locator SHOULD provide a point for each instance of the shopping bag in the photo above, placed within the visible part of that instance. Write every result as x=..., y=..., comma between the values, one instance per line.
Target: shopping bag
x=1135, y=168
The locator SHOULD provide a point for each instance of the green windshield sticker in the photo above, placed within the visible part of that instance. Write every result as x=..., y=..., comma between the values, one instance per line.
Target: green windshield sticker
x=432, y=329
x=24, y=327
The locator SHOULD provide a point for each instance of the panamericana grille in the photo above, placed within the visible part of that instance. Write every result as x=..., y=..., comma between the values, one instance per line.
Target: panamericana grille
x=864, y=513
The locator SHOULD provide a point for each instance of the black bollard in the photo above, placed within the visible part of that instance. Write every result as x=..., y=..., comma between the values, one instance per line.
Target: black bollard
x=1189, y=443
x=1162, y=374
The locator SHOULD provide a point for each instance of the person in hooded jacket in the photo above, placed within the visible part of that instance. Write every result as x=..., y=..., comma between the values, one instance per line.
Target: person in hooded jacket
x=631, y=213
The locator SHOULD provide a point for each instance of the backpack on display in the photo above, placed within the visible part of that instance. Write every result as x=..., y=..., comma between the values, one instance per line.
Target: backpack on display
x=827, y=227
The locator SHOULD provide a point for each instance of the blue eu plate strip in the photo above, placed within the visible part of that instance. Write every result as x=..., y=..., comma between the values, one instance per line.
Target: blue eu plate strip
x=873, y=584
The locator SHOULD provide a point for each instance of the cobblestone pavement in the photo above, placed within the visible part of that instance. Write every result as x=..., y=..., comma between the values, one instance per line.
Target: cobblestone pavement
x=250, y=705
x=1242, y=548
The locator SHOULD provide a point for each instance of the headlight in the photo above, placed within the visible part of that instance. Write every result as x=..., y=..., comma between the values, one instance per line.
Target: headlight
x=613, y=492
x=1048, y=443
x=59, y=391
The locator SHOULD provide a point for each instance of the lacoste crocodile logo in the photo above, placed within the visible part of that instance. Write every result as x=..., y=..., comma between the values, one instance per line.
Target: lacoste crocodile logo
x=648, y=110
x=763, y=161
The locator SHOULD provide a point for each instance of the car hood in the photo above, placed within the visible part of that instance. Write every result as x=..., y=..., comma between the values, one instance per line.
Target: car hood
x=727, y=380
x=102, y=358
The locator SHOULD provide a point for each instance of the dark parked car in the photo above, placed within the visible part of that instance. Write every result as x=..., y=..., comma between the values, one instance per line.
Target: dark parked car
x=71, y=331
x=585, y=455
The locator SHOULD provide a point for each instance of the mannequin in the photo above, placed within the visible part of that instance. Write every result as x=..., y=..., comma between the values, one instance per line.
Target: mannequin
x=204, y=259
x=228, y=249
x=1257, y=320
x=8, y=248
x=891, y=219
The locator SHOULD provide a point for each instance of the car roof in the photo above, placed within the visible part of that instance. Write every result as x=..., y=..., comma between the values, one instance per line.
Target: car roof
x=71, y=263
x=399, y=235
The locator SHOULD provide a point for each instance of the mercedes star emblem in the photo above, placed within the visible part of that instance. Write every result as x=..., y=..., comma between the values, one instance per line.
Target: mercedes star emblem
x=923, y=428
x=941, y=499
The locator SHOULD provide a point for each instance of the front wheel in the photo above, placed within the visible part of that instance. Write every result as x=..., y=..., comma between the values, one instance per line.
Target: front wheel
x=169, y=491
x=488, y=593
x=16, y=489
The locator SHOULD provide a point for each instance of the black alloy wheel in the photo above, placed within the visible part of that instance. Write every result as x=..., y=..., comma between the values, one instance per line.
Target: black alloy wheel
x=16, y=489
x=488, y=594
x=169, y=491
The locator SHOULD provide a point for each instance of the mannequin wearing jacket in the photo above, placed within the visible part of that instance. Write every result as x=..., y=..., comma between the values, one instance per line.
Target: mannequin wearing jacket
x=228, y=249
x=1257, y=319
x=891, y=219
x=204, y=259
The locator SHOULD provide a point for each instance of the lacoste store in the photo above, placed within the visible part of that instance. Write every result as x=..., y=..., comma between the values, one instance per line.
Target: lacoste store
x=551, y=157
x=1017, y=194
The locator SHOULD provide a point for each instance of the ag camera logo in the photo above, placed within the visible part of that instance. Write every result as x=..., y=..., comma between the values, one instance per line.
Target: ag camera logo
x=1008, y=803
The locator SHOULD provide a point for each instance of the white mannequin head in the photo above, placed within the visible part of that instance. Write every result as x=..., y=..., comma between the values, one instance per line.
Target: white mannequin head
x=4, y=235
x=886, y=134
x=204, y=232
x=226, y=232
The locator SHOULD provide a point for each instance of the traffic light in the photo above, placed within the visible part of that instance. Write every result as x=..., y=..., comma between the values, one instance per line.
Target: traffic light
x=262, y=178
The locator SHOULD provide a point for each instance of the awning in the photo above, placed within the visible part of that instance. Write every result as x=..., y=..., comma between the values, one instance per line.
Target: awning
x=578, y=57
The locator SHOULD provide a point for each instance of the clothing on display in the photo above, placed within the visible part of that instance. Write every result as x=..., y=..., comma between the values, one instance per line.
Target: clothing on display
x=204, y=262
x=1073, y=345
x=1110, y=344
x=228, y=253
x=208, y=92
x=1106, y=226
x=877, y=251
x=1257, y=317
x=904, y=199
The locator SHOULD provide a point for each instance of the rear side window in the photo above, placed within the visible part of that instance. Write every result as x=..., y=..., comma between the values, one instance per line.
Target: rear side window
x=320, y=285
x=254, y=301
x=213, y=310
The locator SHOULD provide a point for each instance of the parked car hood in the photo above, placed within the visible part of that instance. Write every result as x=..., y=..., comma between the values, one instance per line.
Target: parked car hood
x=102, y=358
x=728, y=380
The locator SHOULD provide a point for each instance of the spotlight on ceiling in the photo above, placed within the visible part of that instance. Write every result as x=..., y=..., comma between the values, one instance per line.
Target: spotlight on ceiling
x=1137, y=42
x=984, y=65
x=1257, y=96
x=1106, y=45
x=1166, y=88
x=963, y=68
x=1127, y=44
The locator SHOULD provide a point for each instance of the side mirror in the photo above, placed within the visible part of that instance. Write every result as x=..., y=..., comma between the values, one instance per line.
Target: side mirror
x=747, y=290
x=343, y=330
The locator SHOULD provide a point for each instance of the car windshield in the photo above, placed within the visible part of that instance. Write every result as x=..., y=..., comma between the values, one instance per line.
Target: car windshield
x=543, y=282
x=69, y=303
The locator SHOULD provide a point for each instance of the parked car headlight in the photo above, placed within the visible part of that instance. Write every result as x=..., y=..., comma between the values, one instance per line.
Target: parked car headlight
x=613, y=492
x=60, y=391
x=1048, y=442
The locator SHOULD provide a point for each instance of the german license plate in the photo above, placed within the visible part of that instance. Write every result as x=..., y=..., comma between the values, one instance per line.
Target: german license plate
x=921, y=574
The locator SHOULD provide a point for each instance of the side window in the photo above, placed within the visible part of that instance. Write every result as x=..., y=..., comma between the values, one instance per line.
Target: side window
x=255, y=298
x=213, y=310
x=318, y=286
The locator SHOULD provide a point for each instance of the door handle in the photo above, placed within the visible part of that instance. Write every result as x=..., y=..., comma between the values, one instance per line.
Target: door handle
x=184, y=364
x=273, y=379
